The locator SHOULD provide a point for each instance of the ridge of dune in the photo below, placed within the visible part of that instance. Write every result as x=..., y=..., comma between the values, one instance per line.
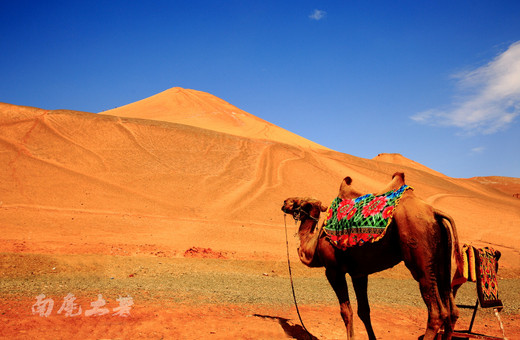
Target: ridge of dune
x=508, y=185
x=398, y=159
x=201, y=109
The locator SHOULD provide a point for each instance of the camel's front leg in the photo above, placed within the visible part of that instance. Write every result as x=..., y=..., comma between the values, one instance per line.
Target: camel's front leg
x=339, y=284
x=360, y=288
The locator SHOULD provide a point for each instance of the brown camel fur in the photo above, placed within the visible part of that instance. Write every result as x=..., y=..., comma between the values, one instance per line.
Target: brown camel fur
x=346, y=190
x=419, y=235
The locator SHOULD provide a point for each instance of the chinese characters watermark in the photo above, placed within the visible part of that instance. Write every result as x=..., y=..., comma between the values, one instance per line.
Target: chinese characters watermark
x=69, y=308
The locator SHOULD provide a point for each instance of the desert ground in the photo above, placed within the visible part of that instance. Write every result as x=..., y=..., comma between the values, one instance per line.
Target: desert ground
x=161, y=220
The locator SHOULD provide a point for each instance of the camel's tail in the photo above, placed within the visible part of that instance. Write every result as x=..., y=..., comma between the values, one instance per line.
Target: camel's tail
x=451, y=229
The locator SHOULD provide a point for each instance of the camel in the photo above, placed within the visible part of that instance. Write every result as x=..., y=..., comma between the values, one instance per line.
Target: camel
x=419, y=235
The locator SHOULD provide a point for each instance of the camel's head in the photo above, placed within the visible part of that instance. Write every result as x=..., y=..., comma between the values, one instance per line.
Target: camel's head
x=295, y=206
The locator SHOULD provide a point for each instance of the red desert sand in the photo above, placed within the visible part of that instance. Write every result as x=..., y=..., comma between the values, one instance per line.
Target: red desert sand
x=172, y=205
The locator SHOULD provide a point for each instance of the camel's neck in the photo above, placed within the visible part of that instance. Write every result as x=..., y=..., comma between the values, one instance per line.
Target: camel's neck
x=307, y=228
x=309, y=235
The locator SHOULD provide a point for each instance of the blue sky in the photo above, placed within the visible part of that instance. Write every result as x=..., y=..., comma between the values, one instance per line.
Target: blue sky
x=437, y=81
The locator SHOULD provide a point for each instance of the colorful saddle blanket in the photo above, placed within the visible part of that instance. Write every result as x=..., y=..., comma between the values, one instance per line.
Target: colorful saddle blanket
x=481, y=266
x=354, y=222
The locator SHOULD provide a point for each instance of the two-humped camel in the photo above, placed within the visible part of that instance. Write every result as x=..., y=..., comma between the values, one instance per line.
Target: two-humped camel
x=419, y=235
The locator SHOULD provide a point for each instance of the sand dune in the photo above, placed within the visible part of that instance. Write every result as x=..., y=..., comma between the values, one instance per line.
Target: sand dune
x=398, y=159
x=184, y=169
x=201, y=109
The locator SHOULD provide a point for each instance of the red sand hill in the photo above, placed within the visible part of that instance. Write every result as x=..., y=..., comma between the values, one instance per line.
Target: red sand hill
x=188, y=169
x=203, y=110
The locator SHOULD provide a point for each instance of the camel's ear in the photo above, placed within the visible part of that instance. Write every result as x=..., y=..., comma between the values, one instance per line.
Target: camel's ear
x=323, y=208
x=347, y=180
x=297, y=201
x=306, y=206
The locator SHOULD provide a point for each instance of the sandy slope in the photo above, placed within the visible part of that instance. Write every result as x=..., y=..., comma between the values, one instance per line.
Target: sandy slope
x=201, y=109
x=186, y=169
x=398, y=159
x=83, y=167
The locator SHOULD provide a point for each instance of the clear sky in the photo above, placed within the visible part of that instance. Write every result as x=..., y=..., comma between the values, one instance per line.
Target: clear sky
x=437, y=81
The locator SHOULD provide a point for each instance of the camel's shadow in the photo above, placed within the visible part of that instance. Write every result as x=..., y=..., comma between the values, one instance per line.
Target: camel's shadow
x=294, y=331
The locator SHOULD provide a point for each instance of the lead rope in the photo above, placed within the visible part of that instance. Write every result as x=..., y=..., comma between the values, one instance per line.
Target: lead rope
x=290, y=276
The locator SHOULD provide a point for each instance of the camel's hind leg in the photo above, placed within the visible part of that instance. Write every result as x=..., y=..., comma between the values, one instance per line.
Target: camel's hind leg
x=453, y=316
x=424, y=269
x=338, y=282
x=437, y=313
x=420, y=238
x=450, y=243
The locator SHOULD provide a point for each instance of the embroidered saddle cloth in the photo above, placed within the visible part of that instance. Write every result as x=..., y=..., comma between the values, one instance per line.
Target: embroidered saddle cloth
x=354, y=222
x=487, y=284
x=481, y=266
